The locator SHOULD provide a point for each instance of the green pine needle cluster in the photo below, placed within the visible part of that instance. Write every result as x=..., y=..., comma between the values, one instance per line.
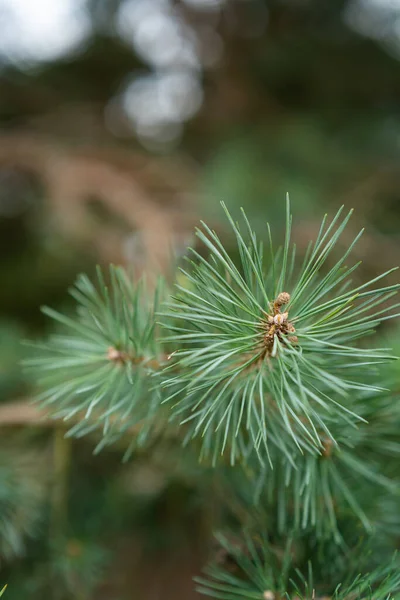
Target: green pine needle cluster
x=23, y=489
x=97, y=369
x=257, y=572
x=314, y=491
x=269, y=354
x=262, y=361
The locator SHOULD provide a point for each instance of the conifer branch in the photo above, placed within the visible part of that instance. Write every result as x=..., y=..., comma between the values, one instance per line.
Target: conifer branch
x=255, y=570
x=264, y=362
x=262, y=356
x=269, y=355
x=97, y=373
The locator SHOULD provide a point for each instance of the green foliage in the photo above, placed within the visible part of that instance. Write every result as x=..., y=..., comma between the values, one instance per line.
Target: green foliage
x=314, y=492
x=77, y=567
x=265, y=355
x=265, y=365
x=23, y=490
x=305, y=98
x=97, y=371
x=3, y=590
x=12, y=380
x=73, y=568
x=241, y=379
x=257, y=571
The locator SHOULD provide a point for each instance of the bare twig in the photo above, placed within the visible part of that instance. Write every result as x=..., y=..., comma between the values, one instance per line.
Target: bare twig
x=23, y=413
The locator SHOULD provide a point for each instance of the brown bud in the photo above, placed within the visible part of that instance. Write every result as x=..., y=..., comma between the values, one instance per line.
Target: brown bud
x=327, y=448
x=113, y=354
x=283, y=298
x=268, y=595
x=116, y=356
x=280, y=318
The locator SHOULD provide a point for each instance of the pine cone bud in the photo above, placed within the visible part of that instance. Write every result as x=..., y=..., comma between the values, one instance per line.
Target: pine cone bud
x=283, y=298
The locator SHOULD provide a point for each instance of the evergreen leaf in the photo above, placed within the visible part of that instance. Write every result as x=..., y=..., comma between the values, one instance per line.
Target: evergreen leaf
x=266, y=353
x=98, y=369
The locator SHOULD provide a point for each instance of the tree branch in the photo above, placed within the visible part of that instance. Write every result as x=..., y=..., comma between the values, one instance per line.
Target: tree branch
x=23, y=412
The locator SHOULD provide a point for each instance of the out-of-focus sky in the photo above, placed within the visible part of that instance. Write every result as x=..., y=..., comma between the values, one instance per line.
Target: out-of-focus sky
x=159, y=102
x=44, y=30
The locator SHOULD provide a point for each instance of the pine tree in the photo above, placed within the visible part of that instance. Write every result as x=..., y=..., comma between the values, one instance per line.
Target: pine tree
x=263, y=365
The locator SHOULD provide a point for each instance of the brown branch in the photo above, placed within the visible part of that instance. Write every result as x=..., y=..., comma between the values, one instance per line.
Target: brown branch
x=141, y=196
x=23, y=412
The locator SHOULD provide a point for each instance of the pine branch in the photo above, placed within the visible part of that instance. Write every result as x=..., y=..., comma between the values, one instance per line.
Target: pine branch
x=265, y=361
x=26, y=413
x=356, y=479
x=255, y=570
x=23, y=487
x=265, y=356
x=269, y=356
x=98, y=370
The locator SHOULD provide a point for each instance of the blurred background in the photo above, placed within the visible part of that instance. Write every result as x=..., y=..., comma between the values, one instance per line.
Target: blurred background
x=122, y=123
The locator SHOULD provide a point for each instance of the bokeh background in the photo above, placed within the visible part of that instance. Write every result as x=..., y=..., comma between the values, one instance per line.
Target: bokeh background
x=122, y=123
